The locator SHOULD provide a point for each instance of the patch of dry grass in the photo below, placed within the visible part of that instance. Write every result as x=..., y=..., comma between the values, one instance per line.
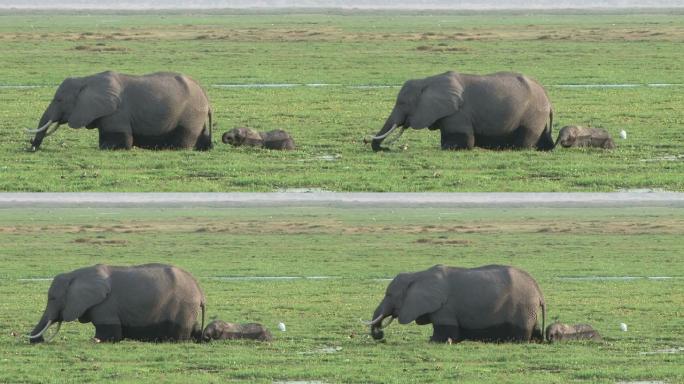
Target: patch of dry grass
x=670, y=226
x=323, y=33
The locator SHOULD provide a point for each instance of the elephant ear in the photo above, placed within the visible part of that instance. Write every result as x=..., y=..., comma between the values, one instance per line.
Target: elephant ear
x=422, y=296
x=87, y=289
x=98, y=97
x=441, y=96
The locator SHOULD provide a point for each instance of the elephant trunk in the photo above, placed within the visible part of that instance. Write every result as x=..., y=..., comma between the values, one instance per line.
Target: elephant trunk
x=36, y=336
x=228, y=138
x=384, y=132
x=44, y=128
x=395, y=119
x=376, y=324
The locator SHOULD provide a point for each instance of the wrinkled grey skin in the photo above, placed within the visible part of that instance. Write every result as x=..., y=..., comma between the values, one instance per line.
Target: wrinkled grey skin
x=489, y=303
x=577, y=136
x=276, y=139
x=221, y=330
x=565, y=332
x=151, y=302
x=500, y=110
x=161, y=110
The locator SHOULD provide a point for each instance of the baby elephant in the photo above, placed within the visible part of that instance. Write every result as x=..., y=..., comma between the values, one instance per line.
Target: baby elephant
x=564, y=332
x=276, y=139
x=577, y=136
x=220, y=330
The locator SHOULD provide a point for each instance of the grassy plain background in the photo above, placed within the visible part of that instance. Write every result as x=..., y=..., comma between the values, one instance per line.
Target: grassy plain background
x=355, y=248
x=328, y=123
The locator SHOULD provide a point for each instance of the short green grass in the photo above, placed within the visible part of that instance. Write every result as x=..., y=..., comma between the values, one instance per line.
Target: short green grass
x=355, y=248
x=329, y=123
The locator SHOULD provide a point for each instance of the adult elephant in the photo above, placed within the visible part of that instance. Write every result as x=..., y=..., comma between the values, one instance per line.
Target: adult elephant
x=151, y=302
x=159, y=110
x=500, y=110
x=489, y=303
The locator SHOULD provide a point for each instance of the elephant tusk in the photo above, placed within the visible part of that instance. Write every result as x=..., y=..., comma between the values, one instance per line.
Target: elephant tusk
x=395, y=138
x=372, y=322
x=41, y=129
x=387, y=324
x=50, y=131
x=39, y=334
x=59, y=325
x=380, y=137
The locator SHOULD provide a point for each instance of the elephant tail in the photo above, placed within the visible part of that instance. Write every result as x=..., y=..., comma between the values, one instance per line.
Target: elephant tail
x=545, y=142
x=203, y=305
x=210, y=122
x=204, y=140
x=543, y=329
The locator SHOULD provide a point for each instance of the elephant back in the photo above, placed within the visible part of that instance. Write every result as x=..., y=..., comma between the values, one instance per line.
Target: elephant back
x=495, y=294
x=156, y=293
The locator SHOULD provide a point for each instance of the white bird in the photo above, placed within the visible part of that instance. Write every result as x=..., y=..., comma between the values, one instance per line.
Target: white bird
x=623, y=134
x=281, y=326
x=623, y=327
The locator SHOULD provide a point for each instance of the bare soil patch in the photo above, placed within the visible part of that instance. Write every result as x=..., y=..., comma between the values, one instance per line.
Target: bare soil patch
x=97, y=241
x=277, y=227
x=336, y=34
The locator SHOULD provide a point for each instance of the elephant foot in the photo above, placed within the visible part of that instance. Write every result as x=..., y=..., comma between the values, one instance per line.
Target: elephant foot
x=204, y=143
x=456, y=141
x=115, y=140
x=163, y=331
x=445, y=334
x=107, y=333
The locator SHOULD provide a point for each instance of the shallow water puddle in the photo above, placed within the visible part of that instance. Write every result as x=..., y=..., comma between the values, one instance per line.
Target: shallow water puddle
x=289, y=278
x=23, y=86
x=664, y=351
x=368, y=86
x=380, y=86
x=614, y=278
x=321, y=350
x=266, y=85
x=615, y=85
x=248, y=278
x=300, y=382
x=664, y=158
x=222, y=278
x=333, y=157
x=302, y=190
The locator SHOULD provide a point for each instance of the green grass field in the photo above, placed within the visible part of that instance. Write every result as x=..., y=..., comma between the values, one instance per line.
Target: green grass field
x=349, y=49
x=354, y=249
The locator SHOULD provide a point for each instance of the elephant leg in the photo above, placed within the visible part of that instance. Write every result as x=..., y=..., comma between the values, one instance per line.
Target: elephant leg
x=526, y=138
x=504, y=332
x=442, y=333
x=115, y=132
x=115, y=140
x=184, y=138
x=457, y=140
x=203, y=142
x=456, y=132
x=108, y=332
x=162, y=331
